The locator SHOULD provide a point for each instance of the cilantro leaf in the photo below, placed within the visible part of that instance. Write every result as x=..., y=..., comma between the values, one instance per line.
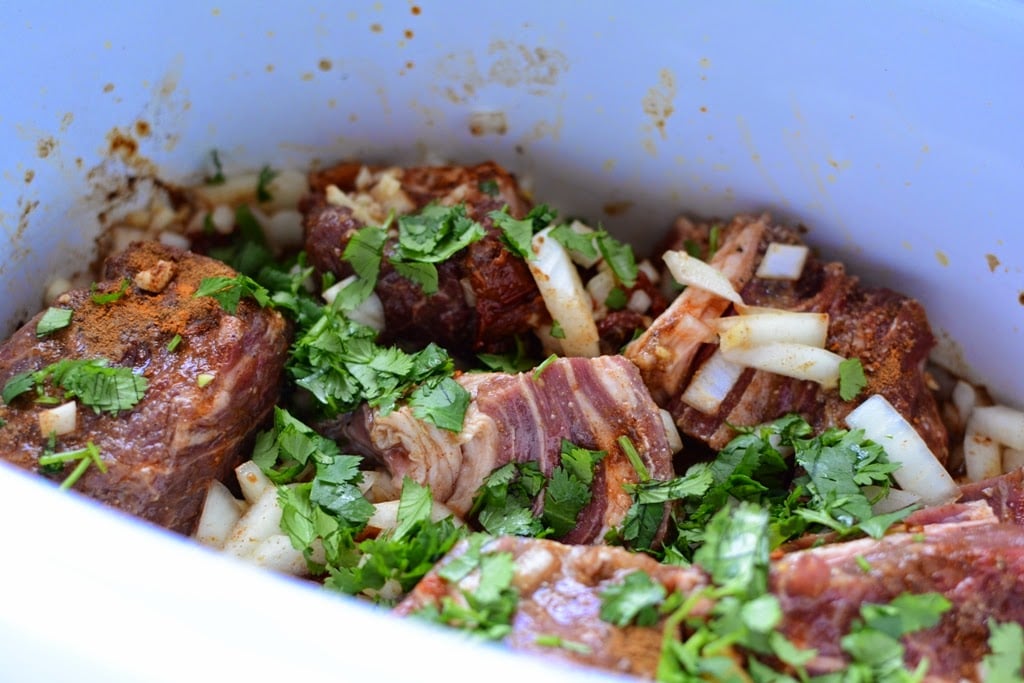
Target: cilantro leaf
x=267, y=174
x=619, y=257
x=515, y=233
x=364, y=251
x=583, y=243
x=514, y=362
x=435, y=234
x=249, y=229
x=851, y=378
x=90, y=455
x=487, y=611
x=228, y=291
x=504, y=502
x=1006, y=642
x=218, y=170
x=489, y=187
x=735, y=550
x=53, y=319
x=616, y=299
x=634, y=601
x=442, y=402
x=91, y=381
x=423, y=274
x=103, y=298
x=564, y=497
x=414, y=508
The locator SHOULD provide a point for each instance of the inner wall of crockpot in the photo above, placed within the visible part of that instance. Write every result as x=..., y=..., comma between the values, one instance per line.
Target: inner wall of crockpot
x=884, y=180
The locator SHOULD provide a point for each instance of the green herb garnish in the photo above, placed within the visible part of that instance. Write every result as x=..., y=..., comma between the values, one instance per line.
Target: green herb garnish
x=267, y=174
x=90, y=455
x=91, y=381
x=102, y=299
x=53, y=319
x=851, y=378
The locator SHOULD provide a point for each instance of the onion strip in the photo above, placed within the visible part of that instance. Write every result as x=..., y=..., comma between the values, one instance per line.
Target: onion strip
x=693, y=272
x=920, y=473
x=564, y=295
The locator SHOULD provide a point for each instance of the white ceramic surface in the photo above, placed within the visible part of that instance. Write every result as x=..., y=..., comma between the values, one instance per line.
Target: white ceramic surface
x=892, y=131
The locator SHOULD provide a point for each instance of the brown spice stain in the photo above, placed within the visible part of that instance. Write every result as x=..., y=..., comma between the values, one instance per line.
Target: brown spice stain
x=325, y=65
x=617, y=208
x=488, y=123
x=993, y=262
x=109, y=87
x=416, y=11
x=308, y=76
x=410, y=64
x=29, y=176
x=66, y=121
x=516, y=64
x=269, y=68
x=658, y=102
x=408, y=34
x=143, y=129
x=703, y=110
x=376, y=28
x=941, y=257
x=45, y=147
x=1020, y=299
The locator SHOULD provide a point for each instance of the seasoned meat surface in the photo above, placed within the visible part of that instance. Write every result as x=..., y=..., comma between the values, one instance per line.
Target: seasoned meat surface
x=161, y=453
x=485, y=295
x=887, y=331
x=961, y=552
x=560, y=588
x=591, y=402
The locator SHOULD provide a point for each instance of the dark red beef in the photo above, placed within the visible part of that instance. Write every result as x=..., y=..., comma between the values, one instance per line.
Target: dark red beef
x=978, y=567
x=887, y=331
x=162, y=453
x=486, y=295
x=961, y=553
x=1005, y=495
x=560, y=588
x=588, y=401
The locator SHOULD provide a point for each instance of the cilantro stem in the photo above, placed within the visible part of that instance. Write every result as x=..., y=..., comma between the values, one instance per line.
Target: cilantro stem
x=634, y=458
x=76, y=473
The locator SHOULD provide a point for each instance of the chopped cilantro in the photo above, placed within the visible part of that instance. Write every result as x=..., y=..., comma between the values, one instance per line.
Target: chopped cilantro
x=204, y=378
x=208, y=226
x=504, y=503
x=53, y=319
x=90, y=455
x=249, y=229
x=616, y=299
x=267, y=174
x=441, y=401
x=228, y=291
x=364, y=251
x=103, y=298
x=434, y=235
x=1003, y=663
x=539, y=370
x=714, y=237
x=516, y=234
x=851, y=378
x=91, y=381
x=619, y=257
x=174, y=343
x=580, y=242
x=516, y=361
x=556, y=330
x=554, y=640
x=634, y=601
x=486, y=611
x=489, y=186
x=218, y=170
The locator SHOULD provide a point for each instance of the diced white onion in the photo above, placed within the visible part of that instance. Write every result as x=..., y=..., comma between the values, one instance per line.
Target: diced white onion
x=791, y=360
x=370, y=312
x=739, y=331
x=965, y=397
x=920, y=473
x=237, y=188
x=54, y=288
x=385, y=514
x=223, y=219
x=252, y=482
x=983, y=457
x=1013, y=459
x=122, y=237
x=599, y=287
x=221, y=512
x=174, y=239
x=283, y=229
x=277, y=554
x=895, y=499
x=675, y=442
x=783, y=262
x=60, y=420
x=693, y=272
x=261, y=521
x=286, y=189
x=648, y=269
x=1002, y=423
x=639, y=301
x=711, y=383
x=564, y=296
